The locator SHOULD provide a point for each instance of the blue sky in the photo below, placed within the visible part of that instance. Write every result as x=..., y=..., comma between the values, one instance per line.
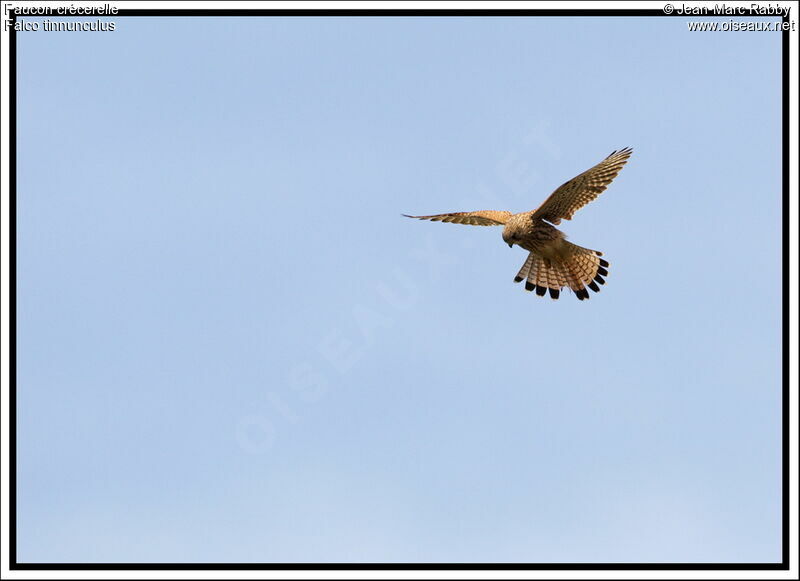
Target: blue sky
x=232, y=347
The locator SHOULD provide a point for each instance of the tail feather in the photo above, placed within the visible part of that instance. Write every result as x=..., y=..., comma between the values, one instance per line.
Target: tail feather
x=578, y=269
x=554, y=279
x=542, y=279
x=575, y=280
x=526, y=268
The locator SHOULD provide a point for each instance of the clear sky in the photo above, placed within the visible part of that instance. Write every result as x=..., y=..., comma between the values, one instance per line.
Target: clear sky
x=233, y=347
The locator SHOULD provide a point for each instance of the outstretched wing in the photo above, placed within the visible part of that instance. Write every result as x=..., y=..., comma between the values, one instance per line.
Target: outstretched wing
x=580, y=190
x=480, y=218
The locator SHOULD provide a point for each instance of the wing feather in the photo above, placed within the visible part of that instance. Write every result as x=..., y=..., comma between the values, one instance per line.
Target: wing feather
x=479, y=218
x=582, y=189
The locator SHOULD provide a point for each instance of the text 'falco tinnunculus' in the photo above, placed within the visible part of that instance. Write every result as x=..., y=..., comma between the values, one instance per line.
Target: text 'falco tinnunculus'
x=553, y=263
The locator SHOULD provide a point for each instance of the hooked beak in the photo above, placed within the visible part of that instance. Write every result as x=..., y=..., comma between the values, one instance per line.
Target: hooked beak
x=511, y=245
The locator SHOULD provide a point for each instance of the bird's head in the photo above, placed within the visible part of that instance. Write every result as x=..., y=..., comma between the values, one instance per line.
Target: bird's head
x=511, y=235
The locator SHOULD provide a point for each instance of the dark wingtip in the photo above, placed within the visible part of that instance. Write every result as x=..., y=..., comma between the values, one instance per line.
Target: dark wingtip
x=517, y=279
x=603, y=263
x=541, y=290
x=582, y=294
x=554, y=292
x=602, y=271
x=593, y=285
x=529, y=286
x=599, y=279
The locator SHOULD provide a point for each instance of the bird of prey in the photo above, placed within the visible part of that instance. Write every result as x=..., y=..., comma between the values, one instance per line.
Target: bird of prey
x=552, y=263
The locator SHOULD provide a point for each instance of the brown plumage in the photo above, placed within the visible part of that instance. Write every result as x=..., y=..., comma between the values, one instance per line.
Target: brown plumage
x=553, y=263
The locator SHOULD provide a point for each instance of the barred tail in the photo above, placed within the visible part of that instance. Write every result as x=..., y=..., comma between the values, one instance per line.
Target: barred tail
x=578, y=268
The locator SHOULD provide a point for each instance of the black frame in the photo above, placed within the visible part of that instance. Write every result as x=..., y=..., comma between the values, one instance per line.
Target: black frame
x=15, y=565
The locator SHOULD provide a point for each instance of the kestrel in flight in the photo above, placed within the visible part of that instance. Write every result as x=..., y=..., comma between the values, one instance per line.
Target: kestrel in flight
x=553, y=263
